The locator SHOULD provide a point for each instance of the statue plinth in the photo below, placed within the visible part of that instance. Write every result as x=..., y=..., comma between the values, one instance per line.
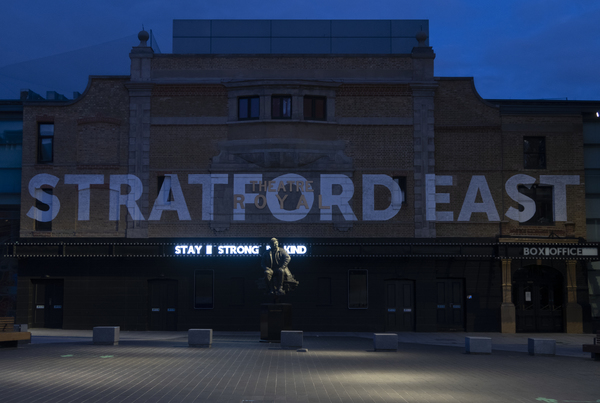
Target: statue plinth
x=273, y=319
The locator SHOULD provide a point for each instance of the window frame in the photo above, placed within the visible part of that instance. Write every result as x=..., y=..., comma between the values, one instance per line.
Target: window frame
x=40, y=141
x=543, y=203
x=281, y=107
x=43, y=226
x=313, y=107
x=249, y=99
x=540, y=153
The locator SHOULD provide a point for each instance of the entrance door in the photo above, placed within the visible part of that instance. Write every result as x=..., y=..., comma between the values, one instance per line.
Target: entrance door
x=48, y=303
x=162, y=298
x=400, y=305
x=450, y=305
x=538, y=298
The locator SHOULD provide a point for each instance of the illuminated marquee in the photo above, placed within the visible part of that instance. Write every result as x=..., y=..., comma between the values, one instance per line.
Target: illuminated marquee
x=238, y=250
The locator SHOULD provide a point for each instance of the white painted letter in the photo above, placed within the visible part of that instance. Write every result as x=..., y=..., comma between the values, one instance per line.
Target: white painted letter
x=275, y=202
x=559, y=192
x=117, y=199
x=162, y=203
x=368, y=207
x=83, y=183
x=433, y=198
x=512, y=190
x=341, y=200
x=35, y=190
x=208, y=183
x=478, y=183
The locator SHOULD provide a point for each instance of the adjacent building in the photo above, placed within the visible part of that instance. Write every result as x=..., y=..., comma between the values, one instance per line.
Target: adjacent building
x=406, y=201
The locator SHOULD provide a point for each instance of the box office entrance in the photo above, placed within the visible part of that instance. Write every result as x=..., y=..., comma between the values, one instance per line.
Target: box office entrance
x=162, y=304
x=48, y=303
x=538, y=296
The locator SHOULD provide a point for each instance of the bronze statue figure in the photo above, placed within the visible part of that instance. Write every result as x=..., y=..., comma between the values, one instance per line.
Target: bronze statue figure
x=278, y=277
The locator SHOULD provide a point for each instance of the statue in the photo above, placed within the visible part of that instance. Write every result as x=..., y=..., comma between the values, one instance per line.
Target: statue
x=278, y=277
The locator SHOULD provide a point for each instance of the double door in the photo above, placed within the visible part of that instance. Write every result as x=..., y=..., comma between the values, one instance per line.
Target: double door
x=48, y=303
x=400, y=305
x=450, y=305
x=538, y=298
x=162, y=304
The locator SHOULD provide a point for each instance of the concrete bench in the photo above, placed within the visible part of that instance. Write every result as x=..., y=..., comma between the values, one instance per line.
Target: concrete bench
x=385, y=342
x=541, y=346
x=291, y=339
x=9, y=337
x=107, y=335
x=478, y=345
x=200, y=338
x=593, y=348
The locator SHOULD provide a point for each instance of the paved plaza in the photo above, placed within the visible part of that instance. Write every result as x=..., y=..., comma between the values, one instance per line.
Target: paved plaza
x=64, y=366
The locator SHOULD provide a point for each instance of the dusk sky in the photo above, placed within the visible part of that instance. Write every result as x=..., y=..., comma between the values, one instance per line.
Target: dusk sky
x=527, y=49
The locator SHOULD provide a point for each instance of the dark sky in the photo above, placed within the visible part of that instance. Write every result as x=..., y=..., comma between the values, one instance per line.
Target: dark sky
x=527, y=49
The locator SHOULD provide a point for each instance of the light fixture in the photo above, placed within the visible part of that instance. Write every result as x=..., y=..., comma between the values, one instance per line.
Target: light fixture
x=598, y=114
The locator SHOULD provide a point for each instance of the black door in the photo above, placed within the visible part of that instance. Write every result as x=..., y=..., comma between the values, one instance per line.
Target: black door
x=162, y=298
x=48, y=303
x=450, y=305
x=400, y=306
x=538, y=298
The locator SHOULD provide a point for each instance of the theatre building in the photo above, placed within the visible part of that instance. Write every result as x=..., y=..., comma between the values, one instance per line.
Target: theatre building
x=405, y=200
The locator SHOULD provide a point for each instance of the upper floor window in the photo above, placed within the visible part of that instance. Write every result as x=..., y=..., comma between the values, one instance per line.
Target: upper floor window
x=315, y=108
x=45, y=142
x=43, y=219
x=281, y=107
x=542, y=197
x=248, y=108
x=534, y=152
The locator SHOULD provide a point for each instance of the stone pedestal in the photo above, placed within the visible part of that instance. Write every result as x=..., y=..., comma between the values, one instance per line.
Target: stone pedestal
x=541, y=346
x=385, y=342
x=292, y=339
x=107, y=335
x=478, y=345
x=200, y=338
x=273, y=319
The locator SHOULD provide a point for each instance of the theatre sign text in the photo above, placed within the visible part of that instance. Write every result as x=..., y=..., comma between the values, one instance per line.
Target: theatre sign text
x=292, y=197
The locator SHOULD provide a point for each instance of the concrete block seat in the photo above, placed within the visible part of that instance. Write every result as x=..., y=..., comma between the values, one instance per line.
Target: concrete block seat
x=541, y=346
x=292, y=339
x=478, y=345
x=385, y=341
x=200, y=338
x=107, y=335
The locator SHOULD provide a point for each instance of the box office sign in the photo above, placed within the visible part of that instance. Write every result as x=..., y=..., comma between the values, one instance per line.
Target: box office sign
x=559, y=251
x=289, y=197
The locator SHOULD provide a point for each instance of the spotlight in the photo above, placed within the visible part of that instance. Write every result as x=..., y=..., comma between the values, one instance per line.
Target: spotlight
x=598, y=114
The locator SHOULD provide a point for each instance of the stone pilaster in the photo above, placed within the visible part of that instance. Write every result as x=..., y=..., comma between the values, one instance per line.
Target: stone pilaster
x=507, y=309
x=573, y=311
x=140, y=91
x=423, y=90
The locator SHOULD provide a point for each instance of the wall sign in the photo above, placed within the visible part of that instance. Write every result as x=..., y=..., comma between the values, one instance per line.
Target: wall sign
x=237, y=250
x=292, y=197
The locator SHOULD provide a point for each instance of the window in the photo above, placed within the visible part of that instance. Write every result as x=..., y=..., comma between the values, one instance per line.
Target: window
x=281, y=107
x=204, y=289
x=161, y=181
x=315, y=108
x=45, y=214
x=534, y=152
x=401, y=181
x=248, y=108
x=358, y=294
x=45, y=142
x=542, y=196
